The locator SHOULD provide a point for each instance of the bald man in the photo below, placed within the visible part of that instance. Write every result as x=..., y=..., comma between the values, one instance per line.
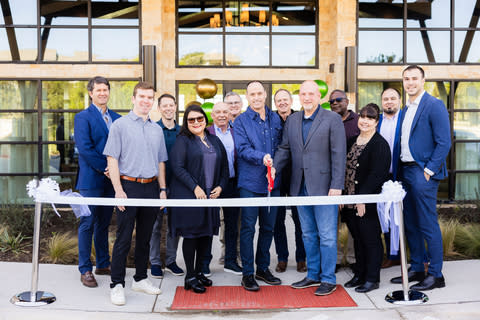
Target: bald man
x=317, y=153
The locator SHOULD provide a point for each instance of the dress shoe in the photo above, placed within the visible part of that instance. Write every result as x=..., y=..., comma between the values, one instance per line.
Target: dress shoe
x=390, y=263
x=412, y=276
x=204, y=281
x=195, y=285
x=301, y=266
x=281, y=266
x=305, y=283
x=249, y=283
x=429, y=283
x=103, y=271
x=88, y=280
x=325, y=289
x=354, y=282
x=267, y=277
x=367, y=286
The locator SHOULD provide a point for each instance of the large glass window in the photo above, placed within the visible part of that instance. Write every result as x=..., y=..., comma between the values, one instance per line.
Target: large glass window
x=411, y=31
x=70, y=31
x=268, y=33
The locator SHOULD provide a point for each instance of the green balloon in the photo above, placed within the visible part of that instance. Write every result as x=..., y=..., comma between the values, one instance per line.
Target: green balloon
x=322, y=85
x=207, y=107
x=326, y=105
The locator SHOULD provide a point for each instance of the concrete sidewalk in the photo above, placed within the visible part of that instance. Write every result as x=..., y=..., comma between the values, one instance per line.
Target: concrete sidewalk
x=460, y=299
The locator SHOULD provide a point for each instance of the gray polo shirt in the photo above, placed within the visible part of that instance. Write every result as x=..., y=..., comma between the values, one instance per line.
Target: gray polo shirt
x=137, y=145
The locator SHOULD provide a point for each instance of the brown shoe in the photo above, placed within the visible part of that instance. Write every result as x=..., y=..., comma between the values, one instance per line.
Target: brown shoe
x=281, y=266
x=88, y=280
x=390, y=263
x=103, y=271
x=301, y=266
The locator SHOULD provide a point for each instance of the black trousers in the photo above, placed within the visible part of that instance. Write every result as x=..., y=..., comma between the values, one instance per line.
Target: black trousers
x=194, y=251
x=144, y=218
x=367, y=242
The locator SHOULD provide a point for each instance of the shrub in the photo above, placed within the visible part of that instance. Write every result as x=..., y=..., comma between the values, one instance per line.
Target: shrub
x=468, y=240
x=61, y=248
x=343, y=242
x=449, y=230
x=15, y=244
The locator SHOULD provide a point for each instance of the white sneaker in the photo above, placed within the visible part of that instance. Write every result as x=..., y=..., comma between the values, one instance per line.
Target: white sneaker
x=117, y=295
x=145, y=286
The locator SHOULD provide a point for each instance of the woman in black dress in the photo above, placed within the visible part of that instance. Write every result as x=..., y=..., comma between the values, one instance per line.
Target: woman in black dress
x=368, y=163
x=200, y=171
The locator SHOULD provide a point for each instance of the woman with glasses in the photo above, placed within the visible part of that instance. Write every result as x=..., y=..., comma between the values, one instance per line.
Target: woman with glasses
x=200, y=171
x=368, y=164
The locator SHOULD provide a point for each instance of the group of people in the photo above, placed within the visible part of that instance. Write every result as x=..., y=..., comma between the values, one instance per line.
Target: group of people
x=312, y=152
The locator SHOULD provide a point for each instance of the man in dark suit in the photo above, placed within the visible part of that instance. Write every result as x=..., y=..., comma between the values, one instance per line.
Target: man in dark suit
x=91, y=128
x=314, y=141
x=424, y=145
x=389, y=128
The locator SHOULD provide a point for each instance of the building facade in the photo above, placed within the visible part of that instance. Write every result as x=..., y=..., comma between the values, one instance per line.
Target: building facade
x=49, y=49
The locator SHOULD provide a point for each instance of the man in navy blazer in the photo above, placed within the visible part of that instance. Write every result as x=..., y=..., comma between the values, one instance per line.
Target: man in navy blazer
x=91, y=128
x=389, y=128
x=424, y=144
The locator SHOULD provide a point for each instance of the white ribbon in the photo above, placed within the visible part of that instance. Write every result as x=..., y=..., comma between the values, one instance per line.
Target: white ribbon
x=391, y=194
x=44, y=190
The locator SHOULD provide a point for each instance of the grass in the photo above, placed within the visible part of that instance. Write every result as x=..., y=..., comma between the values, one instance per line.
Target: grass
x=61, y=248
x=342, y=241
x=449, y=230
x=9, y=243
x=467, y=240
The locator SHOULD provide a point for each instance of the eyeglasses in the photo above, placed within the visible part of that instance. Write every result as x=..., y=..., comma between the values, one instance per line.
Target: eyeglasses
x=197, y=119
x=335, y=100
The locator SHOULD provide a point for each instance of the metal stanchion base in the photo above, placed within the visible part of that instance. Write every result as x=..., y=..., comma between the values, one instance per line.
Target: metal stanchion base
x=23, y=299
x=414, y=297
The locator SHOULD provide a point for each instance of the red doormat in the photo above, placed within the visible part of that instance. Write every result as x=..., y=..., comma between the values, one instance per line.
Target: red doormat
x=269, y=297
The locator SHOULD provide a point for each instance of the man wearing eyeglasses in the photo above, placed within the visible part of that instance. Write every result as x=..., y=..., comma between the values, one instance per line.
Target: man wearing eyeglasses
x=257, y=136
x=235, y=104
x=339, y=104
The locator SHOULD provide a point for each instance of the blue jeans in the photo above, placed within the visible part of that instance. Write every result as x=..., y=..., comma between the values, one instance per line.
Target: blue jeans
x=319, y=228
x=96, y=226
x=266, y=221
x=421, y=220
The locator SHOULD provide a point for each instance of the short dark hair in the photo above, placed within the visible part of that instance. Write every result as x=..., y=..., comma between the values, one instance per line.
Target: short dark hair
x=142, y=85
x=280, y=90
x=184, y=129
x=412, y=67
x=371, y=110
x=97, y=80
x=339, y=91
x=398, y=92
x=166, y=95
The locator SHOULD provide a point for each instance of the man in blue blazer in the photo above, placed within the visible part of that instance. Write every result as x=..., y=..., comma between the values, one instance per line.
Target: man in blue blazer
x=91, y=128
x=424, y=144
x=389, y=128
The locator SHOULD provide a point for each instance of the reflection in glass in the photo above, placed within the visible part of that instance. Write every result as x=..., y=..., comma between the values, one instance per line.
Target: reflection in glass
x=18, y=95
x=66, y=45
x=293, y=16
x=200, y=16
x=471, y=46
x=121, y=95
x=420, y=45
x=64, y=95
x=59, y=158
x=467, y=156
x=439, y=90
x=12, y=188
x=115, y=45
x=467, y=186
x=380, y=46
x=293, y=88
x=467, y=95
x=243, y=16
x=199, y=50
x=464, y=12
x=293, y=50
x=466, y=125
x=18, y=127
x=428, y=13
x=18, y=158
x=187, y=94
x=57, y=126
x=20, y=15
x=256, y=55
x=66, y=13
x=114, y=13
x=380, y=14
x=25, y=40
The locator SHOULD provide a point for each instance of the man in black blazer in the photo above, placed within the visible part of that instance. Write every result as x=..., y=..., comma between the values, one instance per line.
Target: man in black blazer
x=314, y=141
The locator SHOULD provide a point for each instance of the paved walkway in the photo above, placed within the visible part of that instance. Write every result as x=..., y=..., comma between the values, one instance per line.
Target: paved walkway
x=459, y=300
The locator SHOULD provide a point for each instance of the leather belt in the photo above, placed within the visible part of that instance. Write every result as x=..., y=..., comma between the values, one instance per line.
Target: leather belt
x=409, y=163
x=139, y=180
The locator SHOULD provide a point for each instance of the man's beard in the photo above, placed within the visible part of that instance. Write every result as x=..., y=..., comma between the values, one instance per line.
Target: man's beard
x=389, y=111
